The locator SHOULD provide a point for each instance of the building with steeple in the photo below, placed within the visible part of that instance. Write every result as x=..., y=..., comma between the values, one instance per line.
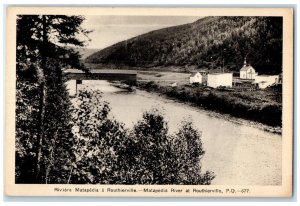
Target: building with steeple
x=247, y=71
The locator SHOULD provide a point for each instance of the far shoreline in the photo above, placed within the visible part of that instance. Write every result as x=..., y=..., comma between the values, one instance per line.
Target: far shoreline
x=227, y=117
x=161, y=86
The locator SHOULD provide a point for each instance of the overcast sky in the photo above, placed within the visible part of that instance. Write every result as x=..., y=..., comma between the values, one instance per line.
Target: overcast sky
x=108, y=30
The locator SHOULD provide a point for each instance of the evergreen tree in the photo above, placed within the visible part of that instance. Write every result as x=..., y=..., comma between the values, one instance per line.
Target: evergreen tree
x=43, y=49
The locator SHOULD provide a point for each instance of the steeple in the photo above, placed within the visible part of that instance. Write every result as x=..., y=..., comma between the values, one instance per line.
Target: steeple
x=245, y=62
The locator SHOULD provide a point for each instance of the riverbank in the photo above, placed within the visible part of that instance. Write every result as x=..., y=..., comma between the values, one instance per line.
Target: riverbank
x=264, y=114
x=260, y=106
x=123, y=85
x=238, y=151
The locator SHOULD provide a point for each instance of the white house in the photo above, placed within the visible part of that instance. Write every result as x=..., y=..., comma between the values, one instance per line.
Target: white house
x=247, y=72
x=72, y=87
x=219, y=79
x=173, y=84
x=195, y=77
x=198, y=77
x=264, y=81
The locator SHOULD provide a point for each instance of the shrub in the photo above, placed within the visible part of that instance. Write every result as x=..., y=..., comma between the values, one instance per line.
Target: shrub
x=105, y=153
x=96, y=141
x=151, y=86
x=196, y=84
x=187, y=154
x=151, y=144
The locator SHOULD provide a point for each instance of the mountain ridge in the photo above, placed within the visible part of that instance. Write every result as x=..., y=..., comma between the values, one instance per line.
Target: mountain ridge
x=209, y=42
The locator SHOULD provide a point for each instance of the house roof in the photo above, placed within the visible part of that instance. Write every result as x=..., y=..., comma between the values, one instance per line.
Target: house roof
x=245, y=68
x=193, y=74
x=220, y=73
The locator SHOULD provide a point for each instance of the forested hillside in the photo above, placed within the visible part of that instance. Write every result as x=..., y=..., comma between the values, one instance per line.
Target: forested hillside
x=209, y=42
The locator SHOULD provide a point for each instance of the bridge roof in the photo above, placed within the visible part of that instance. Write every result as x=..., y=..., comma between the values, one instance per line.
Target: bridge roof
x=101, y=71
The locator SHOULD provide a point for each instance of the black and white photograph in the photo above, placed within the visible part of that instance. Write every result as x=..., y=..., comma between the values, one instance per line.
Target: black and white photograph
x=148, y=102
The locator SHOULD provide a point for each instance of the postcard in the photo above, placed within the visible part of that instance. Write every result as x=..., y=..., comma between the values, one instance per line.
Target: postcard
x=149, y=102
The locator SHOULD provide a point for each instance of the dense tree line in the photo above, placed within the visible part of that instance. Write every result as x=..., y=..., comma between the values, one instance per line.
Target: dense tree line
x=206, y=43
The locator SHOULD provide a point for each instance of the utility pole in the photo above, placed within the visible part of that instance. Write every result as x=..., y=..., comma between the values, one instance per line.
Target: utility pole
x=212, y=62
x=223, y=58
x=223, y=65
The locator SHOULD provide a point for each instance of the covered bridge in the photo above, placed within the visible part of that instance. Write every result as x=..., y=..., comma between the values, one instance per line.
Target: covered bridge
x=75, y=76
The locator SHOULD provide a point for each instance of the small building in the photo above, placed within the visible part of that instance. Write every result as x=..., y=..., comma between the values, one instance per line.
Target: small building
x=71, y=87
x=219, y=80
x=198, y=77
x=264, y=81
x=173, y=84
x=247, y=71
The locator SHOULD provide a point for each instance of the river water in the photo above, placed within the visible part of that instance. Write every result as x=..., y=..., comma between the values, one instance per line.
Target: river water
x=238, y=153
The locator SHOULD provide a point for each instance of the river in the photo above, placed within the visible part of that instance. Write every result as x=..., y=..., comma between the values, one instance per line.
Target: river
x=238, y=153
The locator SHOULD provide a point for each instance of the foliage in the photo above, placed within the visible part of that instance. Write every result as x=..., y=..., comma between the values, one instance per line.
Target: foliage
x=47, y=36
x=27, y=98
x=106, y=153
x=95, y=141
x=151, y=85
x=204, y=43
x=57, y=129
x=42, y=53
x=56, y=134
x=160, y=158
x=150, y=150
x=188, y=151
x=98, y=149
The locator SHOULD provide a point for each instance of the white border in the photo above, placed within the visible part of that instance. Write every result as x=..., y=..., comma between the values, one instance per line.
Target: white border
x=291, y=201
